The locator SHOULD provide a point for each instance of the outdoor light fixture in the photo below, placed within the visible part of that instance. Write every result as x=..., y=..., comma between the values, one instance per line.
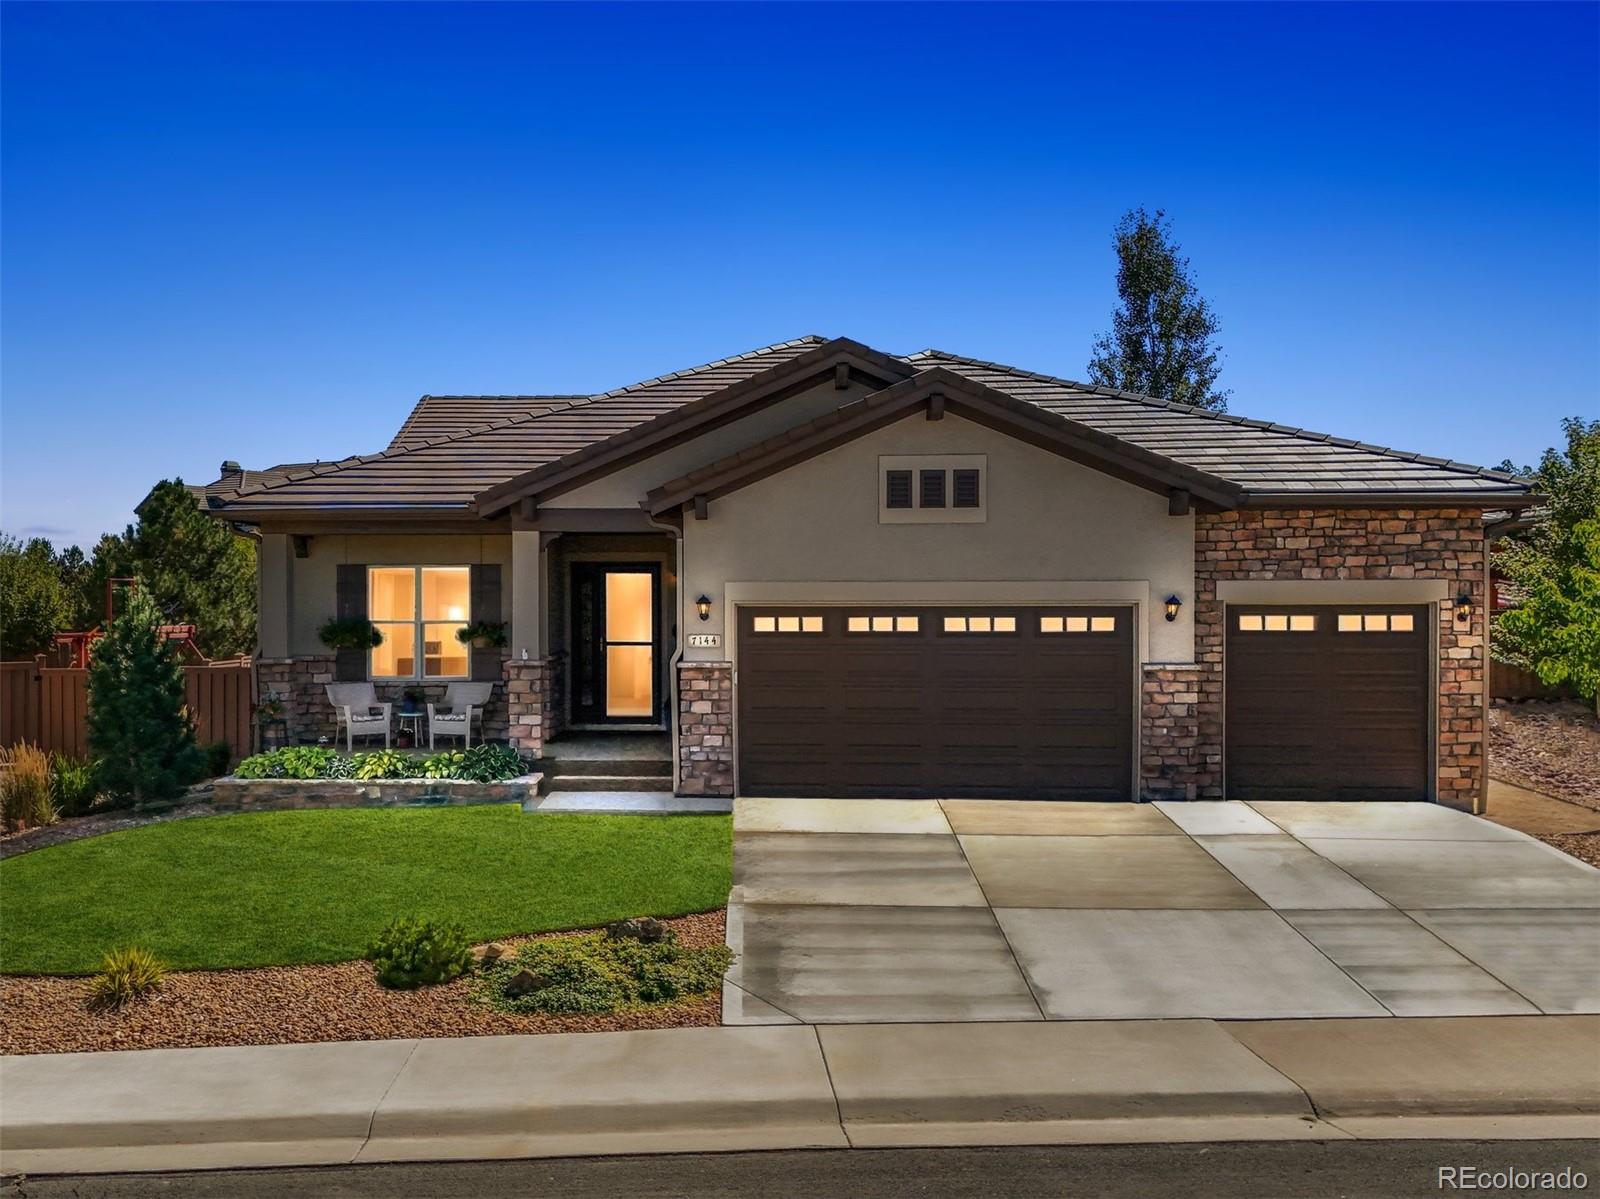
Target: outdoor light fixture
x=1173, y=604
x=703, y=606
x=1464, y=607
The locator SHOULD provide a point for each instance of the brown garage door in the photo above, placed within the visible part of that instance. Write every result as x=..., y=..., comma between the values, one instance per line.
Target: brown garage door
x=908, y=702
x=1327, y=702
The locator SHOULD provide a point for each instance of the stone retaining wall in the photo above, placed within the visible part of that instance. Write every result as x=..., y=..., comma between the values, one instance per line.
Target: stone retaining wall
x=264, y=795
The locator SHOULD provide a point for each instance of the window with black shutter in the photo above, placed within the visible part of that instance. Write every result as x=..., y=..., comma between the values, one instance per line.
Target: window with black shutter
x=897, y=489
x=932, y=484
x=964, y=488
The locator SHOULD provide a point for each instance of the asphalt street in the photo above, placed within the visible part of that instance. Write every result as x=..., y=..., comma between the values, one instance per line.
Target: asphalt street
x=1258, y=1170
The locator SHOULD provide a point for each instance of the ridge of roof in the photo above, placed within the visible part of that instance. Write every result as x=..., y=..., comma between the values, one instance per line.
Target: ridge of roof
x=1226, y=417
x=334, y=465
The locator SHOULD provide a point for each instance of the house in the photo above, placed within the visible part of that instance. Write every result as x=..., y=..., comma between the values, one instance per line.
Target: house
x=831, y=570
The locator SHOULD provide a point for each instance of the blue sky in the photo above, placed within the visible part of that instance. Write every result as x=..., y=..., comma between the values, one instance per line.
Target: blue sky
x=261, y=232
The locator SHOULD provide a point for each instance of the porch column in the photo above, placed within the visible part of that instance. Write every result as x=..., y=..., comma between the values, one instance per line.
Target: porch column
x=527, y=587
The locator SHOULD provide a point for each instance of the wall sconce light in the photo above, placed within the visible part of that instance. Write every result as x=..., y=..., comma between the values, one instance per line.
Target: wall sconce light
x=703, y=606
x=1464, y=608
x=1173, y=604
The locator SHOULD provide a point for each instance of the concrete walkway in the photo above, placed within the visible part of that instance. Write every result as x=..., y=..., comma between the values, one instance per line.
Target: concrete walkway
x=688, y=1090
x=871, y=911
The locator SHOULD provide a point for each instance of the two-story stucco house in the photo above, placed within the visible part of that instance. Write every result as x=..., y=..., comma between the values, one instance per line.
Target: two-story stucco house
x=830, y=570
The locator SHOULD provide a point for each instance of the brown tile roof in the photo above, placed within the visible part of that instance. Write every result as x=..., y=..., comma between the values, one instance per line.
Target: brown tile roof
x=449, y=470
x=1266, y=459
x=438, y=463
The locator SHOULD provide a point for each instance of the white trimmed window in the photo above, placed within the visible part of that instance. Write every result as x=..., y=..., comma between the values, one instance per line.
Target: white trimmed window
x=419, y=609
x=933, y=489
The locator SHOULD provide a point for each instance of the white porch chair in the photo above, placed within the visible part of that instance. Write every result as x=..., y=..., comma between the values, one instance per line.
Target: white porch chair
x=353, y=705
x=462, y=708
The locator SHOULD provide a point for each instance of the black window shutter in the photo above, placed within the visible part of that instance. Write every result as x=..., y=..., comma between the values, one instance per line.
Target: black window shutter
x=932, y=489
x=486, y=606
x=897, y=489
x=350, y=601
x=965, y=487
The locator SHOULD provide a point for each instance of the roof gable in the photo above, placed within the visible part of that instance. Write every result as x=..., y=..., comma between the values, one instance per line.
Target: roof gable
x=936, y=391
x=840, y=359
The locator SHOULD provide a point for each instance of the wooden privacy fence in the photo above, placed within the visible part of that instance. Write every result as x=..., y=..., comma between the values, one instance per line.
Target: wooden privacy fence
x=49, y=705
x=1513, y=682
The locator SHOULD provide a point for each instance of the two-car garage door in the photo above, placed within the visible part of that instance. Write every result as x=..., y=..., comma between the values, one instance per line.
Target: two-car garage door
x=975, y=702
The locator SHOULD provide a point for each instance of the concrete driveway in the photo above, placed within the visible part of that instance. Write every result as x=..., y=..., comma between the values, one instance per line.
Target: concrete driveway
x=848, y=911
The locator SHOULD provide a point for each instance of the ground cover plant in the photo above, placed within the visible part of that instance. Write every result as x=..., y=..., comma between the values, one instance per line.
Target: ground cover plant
x=596, y=973
x=278, y=888
x=480, y=764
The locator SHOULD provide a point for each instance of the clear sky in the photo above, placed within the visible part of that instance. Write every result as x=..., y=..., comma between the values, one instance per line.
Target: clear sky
x=261, y=232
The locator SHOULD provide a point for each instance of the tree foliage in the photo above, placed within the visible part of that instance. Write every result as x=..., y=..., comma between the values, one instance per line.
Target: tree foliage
x=1162, y=339
x=194, y=569
x=1554, y=567
x=33, y=603
x=140, y=734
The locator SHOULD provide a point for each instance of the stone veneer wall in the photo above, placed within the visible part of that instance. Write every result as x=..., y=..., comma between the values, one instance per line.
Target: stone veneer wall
x=302, y=683
x=530, y=700
x=1182, y=706
x=705, y=728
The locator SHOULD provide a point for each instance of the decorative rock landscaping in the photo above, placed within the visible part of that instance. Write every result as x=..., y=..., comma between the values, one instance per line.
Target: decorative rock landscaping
x=233, y=794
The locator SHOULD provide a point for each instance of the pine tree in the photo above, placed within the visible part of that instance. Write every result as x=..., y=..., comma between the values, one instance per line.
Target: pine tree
x=1160, y=342
x=140, y=733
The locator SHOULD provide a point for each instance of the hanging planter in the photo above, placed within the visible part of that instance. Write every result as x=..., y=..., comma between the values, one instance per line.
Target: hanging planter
x=483, y=634
x=350, y=632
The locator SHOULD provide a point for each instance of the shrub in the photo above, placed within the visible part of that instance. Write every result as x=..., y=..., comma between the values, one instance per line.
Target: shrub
x=350, y=632
x=446, y=764
x=413, y=953
x=218, y=755
x=384, y=764
x=72, y=784
x=25, y=799
x=592, y=973
x=490, y=764
x=261, y=766
x=126, y=974
x=140, y=734
x=307, y=761
x=490, y=632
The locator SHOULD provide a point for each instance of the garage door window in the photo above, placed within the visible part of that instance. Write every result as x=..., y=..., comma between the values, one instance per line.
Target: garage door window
x=1377, y=622
x=786, y=624
x=980, y=624
x=1277, y=622
x=882, y=624
x=1077, y=624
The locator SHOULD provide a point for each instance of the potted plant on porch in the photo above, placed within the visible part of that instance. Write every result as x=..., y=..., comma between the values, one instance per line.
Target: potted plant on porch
x=483, y=634
x=411, y=700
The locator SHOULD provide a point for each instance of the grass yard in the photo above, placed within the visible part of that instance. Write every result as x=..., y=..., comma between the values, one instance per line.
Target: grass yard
x=279, y=888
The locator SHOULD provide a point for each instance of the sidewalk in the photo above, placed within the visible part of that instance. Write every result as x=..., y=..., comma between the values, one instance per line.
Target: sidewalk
x=801, y=1087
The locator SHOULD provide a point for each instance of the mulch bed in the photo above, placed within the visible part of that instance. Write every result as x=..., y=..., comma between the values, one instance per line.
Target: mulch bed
x=1583, y=846
x=285, y=1004
x=96, y=823
x=1550, y=747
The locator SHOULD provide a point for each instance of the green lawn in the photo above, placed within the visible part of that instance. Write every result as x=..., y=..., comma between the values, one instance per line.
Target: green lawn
x=275, y=888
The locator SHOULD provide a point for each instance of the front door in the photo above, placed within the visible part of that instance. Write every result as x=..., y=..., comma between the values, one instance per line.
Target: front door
x=615, y=641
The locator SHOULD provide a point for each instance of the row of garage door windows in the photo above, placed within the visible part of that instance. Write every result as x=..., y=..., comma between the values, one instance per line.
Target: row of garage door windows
x=1249, y=622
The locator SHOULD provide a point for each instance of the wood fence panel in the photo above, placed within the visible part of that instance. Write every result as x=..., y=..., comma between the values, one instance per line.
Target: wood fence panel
x=19, y=703
x=49, y=705
x=1513, y=682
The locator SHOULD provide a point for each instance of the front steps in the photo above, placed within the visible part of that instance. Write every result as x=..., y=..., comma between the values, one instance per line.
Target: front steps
x=611, y=772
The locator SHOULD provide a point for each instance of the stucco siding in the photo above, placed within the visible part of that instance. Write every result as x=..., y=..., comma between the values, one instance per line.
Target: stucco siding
x=1049, y=520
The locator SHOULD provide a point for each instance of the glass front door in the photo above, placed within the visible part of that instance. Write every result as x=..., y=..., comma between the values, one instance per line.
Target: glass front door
x=615, y=642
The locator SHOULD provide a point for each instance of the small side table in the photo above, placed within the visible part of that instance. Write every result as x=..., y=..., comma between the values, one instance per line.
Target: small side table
x=415, y=719
x=274, y=734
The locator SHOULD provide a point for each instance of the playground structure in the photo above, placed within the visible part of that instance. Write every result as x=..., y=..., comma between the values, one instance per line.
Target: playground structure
x=72, y=649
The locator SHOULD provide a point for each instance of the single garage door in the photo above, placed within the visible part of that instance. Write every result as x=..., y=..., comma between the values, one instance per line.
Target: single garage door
x=1327, y=702
x=960, y=702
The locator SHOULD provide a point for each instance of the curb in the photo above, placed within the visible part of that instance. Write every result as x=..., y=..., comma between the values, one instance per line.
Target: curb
x=800, y=1087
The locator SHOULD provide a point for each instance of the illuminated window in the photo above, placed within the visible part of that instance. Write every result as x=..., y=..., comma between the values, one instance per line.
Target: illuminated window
x=1376, y=622
x=1051, y=624
x=1102, y=624
x=882, y=624
x=1277, y=622
x=1077, y=624
x=786, y=624
x=418, y=610
x=980, y=624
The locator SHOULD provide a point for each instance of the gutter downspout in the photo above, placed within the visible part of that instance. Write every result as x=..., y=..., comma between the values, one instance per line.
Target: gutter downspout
x=676, y=533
